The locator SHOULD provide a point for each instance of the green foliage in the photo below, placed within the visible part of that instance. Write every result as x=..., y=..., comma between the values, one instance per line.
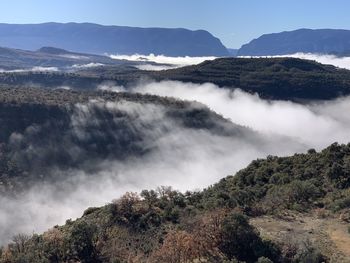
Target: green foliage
x=152, y=223
x=240, y=240
x=81, y=243
x=299, y=182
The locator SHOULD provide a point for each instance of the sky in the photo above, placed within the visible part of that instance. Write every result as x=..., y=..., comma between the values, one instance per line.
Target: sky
x=235, y=22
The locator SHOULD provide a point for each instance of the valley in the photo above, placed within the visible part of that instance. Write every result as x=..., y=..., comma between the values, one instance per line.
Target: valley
x=174, y=131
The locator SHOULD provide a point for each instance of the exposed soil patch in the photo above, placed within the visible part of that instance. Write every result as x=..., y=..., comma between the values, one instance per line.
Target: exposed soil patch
x=329, y=235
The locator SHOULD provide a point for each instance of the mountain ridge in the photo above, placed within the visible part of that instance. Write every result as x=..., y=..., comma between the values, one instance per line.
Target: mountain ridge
x=324, y=41
x=99, y=39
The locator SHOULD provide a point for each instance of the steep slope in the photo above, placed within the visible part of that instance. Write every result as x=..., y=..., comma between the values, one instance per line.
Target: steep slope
x=294, y=202
x=45, y=131
x=323, y=41
x=98, y=39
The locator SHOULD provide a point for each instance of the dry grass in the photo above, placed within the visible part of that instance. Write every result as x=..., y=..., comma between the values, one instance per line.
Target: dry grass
x=329, y=234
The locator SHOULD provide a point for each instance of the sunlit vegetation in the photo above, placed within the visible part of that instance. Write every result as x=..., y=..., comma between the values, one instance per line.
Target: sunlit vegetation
x=165, y=225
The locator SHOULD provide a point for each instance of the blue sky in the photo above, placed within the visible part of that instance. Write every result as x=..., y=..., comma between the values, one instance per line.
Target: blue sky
x=235, y=22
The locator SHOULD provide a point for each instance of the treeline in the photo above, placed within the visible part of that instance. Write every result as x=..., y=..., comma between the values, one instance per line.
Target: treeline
x=156, y=226
x=301, y=182
x=272, y=78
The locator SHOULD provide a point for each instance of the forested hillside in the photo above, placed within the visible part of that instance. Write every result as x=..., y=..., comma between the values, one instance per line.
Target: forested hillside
x=271, y=78
x=214, y=225
x=45, y=130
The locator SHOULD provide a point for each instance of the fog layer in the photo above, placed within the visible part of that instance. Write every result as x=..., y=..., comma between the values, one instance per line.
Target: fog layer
x=317, y=124
x=178, y=155
x=164, y=61
x=34, y=69
x=184, y=157
x=340, y=62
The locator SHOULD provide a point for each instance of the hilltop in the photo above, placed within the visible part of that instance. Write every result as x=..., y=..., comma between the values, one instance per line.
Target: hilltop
x=271, y=78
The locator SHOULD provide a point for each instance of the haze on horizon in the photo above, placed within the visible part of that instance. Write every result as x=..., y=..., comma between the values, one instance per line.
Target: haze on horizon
x=233, y=22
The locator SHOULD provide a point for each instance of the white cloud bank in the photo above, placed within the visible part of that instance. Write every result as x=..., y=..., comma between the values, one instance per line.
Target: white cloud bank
x=89, y=65
x=185, y=158
x=182, y=157
x=34, y=69
x=165, y=61
x=175, y=62
x=340, y=62
x=316, y=125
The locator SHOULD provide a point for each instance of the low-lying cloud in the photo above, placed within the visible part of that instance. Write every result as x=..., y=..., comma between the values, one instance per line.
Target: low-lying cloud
x=34, y=69
x=340, y=62
x=88, y=65
x=168, y=62
x=183, y=157
x=156, y=67
x=317, y=124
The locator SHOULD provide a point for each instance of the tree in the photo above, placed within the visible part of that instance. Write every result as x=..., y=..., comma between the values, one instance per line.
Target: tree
x=150, y=197
x=19, y=242
x=53, y=245
x=81, y=243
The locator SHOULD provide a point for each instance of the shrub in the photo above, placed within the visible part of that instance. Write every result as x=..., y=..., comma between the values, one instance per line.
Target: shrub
x=240, y=240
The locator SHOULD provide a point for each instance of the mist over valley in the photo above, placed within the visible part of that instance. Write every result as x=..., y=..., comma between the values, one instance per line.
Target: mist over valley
x=169, y=141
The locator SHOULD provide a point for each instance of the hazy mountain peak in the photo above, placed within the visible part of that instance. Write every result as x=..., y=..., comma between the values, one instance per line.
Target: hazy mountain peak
x=304, y=40
x=53, y=50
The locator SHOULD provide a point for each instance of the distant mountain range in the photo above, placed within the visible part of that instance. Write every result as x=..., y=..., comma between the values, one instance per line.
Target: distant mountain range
x=47, y=58
x=324, y=41
x=99, y=39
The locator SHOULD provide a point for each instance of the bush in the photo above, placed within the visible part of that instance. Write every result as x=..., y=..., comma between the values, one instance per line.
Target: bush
x=81, y=243
x=240, y=240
